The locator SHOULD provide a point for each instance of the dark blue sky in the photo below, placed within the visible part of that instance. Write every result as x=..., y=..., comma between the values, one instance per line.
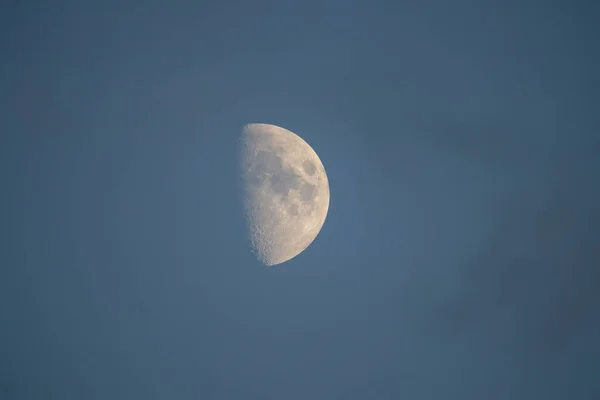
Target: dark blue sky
x=460, y=256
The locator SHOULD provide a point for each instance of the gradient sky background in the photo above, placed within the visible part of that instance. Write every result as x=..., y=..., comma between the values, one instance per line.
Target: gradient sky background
x=460, y=257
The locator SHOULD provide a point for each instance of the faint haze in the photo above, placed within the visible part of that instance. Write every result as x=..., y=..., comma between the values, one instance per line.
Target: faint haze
x=459, y=258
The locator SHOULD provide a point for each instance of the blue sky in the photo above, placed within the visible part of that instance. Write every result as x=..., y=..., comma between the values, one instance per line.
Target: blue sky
x=459, y=259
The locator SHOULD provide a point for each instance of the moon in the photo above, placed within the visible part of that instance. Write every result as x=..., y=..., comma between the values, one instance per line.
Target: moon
x=285, y=192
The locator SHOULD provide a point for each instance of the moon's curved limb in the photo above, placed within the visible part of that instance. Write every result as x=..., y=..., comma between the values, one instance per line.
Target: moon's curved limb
x=285, y=192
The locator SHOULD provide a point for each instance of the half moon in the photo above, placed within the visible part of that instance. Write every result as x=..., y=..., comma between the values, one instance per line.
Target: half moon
x=285, y=192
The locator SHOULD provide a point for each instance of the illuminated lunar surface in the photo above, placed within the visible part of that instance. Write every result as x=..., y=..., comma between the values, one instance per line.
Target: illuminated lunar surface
x=285, y=192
